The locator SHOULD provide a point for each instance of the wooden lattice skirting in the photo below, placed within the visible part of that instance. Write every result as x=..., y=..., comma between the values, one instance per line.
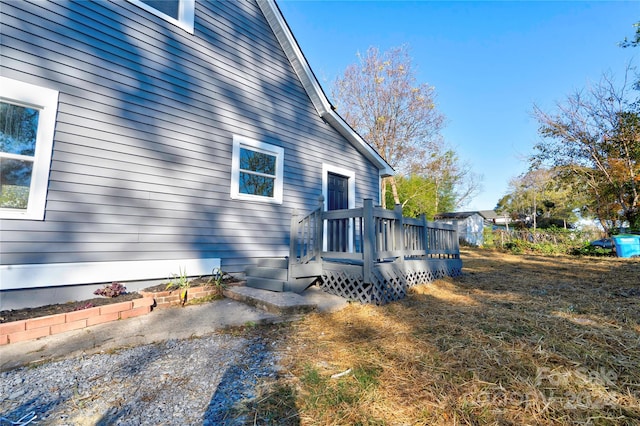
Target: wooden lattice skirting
x=390, y=280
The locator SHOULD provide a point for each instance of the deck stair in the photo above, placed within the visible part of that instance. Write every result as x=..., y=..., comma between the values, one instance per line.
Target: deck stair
x=273, y=274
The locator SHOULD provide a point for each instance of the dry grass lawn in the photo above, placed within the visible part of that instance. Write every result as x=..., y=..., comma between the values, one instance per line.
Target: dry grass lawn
x=517, y=340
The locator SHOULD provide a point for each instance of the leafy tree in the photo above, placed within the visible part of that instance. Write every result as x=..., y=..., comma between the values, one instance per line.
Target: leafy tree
x=381, y=99
x=423, y=195
x=564, y=199
x=417, y=193
x=542, y=199
x=518, y=203
x=594, y=138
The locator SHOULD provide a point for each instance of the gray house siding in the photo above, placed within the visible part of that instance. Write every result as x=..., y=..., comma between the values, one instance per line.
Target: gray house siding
x=141, y=163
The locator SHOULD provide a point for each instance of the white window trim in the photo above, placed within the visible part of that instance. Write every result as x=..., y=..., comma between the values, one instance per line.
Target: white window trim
x=46, y=101
x=254, y=145
x=186, y=14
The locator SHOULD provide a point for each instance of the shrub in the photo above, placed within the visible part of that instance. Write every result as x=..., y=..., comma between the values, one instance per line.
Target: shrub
x=589, y=250
x=548, y=248
x=180, y=281
x=111, y=290
x=551, y=241
x=517, y=246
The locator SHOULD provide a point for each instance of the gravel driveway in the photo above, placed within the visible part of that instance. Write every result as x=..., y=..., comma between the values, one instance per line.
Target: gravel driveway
x=176, y=382
x=177, y=368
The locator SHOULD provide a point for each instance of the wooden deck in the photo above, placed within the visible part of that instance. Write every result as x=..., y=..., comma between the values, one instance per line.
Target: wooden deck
x=371, y=254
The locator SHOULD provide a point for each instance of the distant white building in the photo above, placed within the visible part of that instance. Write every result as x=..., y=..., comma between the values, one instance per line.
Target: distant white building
x=470, y=225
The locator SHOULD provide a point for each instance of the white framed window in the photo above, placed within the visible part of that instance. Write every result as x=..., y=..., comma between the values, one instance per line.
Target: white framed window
x=27, y=123
x=256, y=171
x=178, y=12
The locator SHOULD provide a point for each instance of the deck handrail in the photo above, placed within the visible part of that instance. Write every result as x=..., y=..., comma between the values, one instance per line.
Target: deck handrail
x=305, y=243
x=368, y=234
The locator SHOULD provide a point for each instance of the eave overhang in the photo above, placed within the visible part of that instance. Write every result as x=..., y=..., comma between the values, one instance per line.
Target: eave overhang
x=320, y=101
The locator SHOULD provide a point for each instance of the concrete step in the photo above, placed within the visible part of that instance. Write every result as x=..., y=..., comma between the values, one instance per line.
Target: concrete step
x=282, y=303
x=306, y=270
x=274, y=262
x=266, y=272
x=272, y=274
x=265, y=283
x=298, y=285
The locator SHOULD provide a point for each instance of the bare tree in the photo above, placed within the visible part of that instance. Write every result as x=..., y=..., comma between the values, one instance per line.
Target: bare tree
x=380, y=98
x=595, y=135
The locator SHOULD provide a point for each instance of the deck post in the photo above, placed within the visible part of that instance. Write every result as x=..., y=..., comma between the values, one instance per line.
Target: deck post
x=456, y=242
x=318, y=242
x=399, y=243
x=293, y=240
x=425, y=233
x=369, y=243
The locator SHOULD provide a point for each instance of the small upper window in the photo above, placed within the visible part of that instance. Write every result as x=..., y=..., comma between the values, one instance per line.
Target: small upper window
x=27, y=122
x=256, y=170
x=178, y=12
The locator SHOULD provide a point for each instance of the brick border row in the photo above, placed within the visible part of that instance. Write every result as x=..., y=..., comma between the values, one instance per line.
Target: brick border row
x=34, y=328
x=165, y=299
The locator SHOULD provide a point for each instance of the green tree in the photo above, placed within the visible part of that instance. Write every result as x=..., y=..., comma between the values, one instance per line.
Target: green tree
x=542, y=198
x=417, y=193
x=563, y=202
x=520, y=203
x=423, y=195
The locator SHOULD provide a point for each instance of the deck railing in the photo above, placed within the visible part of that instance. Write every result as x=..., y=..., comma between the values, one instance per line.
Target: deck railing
x=368, y=235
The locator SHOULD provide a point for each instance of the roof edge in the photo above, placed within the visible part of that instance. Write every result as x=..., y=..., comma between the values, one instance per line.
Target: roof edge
x=287, y=41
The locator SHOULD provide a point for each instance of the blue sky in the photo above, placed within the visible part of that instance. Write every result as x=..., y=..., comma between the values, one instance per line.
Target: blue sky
x=489, y=62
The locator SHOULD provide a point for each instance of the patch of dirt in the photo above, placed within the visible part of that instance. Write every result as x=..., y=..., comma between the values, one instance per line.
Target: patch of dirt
x=62, y=308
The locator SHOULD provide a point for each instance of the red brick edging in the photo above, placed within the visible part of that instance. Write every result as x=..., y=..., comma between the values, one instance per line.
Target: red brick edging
x=18, y=331
x=165, y=299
